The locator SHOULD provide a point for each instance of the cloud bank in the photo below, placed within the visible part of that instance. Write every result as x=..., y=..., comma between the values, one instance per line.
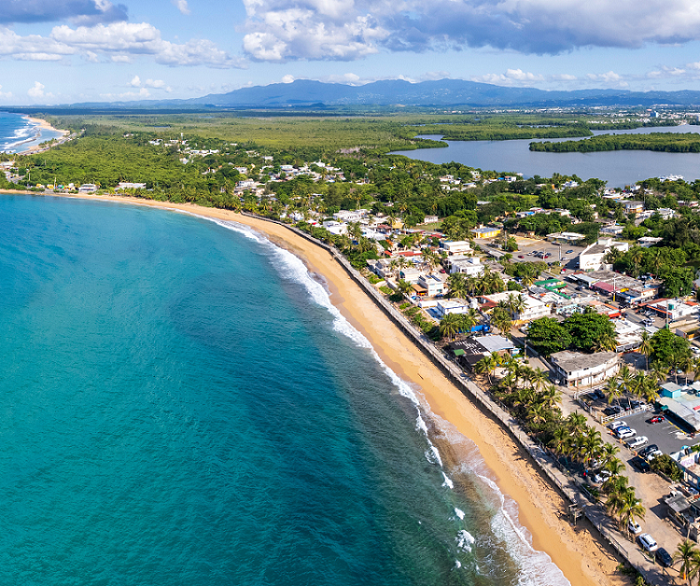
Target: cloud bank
x=82, y=12
x=279, y=30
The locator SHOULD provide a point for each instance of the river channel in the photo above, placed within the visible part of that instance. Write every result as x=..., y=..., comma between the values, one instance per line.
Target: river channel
x=618, y=168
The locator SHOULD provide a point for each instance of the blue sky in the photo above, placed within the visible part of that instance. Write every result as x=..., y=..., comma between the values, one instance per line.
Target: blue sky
x=68, y=51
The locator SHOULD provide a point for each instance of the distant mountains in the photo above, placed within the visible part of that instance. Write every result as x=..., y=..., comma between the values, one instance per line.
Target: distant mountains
x=452, y=93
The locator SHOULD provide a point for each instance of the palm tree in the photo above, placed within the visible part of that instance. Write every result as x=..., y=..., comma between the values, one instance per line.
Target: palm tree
x=613, y=465
x=550, y=397
x=487, y=365
x=689, y=556
x=613, y=390
x=537, y=413
x=617, y=495
x=457, y=285
x=450, y=325
x=405, y=288
x=538, y=378
x=645, y=347
x=576, y=423
x=609, y=452
x=501, y=320
x=631, y=508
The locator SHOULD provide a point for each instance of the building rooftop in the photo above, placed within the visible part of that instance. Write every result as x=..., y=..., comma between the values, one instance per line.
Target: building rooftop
x=495, y=343
x=571, y=361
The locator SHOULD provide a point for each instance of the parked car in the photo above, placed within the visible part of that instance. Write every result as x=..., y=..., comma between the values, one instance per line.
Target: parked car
x=637, y=442
x=663, y=557
x=617, y=424
x=568, y=252
x=634, y=527
x=648, y=450
x=598, y=394
x=651, y=455
x=647, y=542
x=613, y=410
x=656, y=419
x=521, y=256
x=625, y=432
x=640, y=464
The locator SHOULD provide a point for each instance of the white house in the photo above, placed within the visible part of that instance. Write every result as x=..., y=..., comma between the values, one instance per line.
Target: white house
x=447, y=306
x=576, y=370
x=468, y=265
x=336, y=228
x=432, y=284
x=534, y=308
x=87, y=188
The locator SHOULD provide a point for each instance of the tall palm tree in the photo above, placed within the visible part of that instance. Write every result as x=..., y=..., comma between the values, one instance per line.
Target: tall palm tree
x=487, y=365
x=457, y=285
x=501, y=320
x=645, y=347
x=609, y=452
x=617, y=496
x=689, y=556
x=631, y=509
x=538, y=378
x=613, y=390
x=576, y=423
x=450, y=325
x=550, y=397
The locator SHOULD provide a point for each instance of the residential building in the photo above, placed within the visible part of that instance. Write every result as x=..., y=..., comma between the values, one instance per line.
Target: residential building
x=534, y=308
x=87, y=188
x=447, y=306
x=648, y=241
x=633, y=207
x=455, y=247
x=565, y=237
x=612, y=230
x=471, y=350
x=674, y=309
x=468, y=265
x=576, y=370
x=430, y=285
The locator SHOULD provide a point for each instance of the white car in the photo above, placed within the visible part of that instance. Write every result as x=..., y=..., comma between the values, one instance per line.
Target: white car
x=637, y=442
x=648, y=542
x=615, y=424
x=625, y=432
x=651, y=455
x=633, y=527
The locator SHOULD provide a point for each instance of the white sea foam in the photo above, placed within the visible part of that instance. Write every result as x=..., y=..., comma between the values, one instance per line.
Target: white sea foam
x=465, y=540
x=459, y=513
x=447, y=481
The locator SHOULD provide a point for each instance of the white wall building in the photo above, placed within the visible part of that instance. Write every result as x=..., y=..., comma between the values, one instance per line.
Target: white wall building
x=534, y=308
x=432, y=284
x=592, y=257
x=576, y=370
x=448, y=306
x=456, y=247
x=468, y=265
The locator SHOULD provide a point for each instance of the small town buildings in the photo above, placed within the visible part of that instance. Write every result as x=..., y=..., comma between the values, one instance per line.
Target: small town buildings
x=336, y=228
x=612, y=230
x=534, y=308
x=456, y=247
x=648, y=241
x=410, y=274
x=87, y=188
x=447, y=306
x=592, y=257
x=125, y=185
x=633, y=207
x=467, y=265
x=576, y=370
x=673, y=309
x=565, y=237
x=471, y=350
x=430, y=285
x=485, y=232
x=430, y=220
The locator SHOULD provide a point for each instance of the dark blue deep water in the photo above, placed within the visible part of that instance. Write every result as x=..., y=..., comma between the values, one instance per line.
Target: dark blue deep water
x=180, y=405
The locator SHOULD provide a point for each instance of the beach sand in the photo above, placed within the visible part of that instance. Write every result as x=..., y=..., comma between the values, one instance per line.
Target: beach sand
x=42, y=125
x=584, y=559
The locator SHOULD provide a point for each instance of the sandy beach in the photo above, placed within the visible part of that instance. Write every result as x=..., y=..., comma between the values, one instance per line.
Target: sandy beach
x=42, y=125
x=583, y=559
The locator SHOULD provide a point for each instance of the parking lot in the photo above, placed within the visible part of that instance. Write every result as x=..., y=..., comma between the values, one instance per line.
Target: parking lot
x=669, y=437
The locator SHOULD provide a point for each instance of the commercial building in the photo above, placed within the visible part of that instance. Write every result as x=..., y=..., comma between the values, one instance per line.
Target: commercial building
x=576, y=370
x=456, y=247
x=592, y=258
x=565, y=237
x=534, y=308
x=486, y=232
x=471, y=350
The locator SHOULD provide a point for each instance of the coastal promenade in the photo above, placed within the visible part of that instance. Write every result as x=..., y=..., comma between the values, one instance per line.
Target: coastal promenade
x=567, y=484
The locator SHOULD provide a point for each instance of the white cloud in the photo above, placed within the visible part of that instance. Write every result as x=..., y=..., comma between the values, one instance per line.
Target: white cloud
x=135, y=82
x=182, y=6
x=609, y=77
x=5, y=94
x=288, y=79
x=37, y=91
x=512, y=77
x=120, y=42
x=149, y=83
x=279, y=30
x=86, y=12
x=563, y=77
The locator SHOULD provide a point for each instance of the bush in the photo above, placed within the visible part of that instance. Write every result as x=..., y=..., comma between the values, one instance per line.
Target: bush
x=667, y=466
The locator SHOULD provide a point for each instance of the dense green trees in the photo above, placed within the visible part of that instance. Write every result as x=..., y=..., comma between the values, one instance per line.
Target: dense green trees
x=584, y=332
x=667, y=142
x=669, y=350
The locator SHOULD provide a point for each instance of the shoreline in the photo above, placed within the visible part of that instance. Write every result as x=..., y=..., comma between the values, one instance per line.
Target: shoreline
x=40, y=125
x=582, y=558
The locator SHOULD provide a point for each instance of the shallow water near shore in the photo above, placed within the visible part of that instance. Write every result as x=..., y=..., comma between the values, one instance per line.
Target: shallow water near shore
x=18, y=133
x=182, y=405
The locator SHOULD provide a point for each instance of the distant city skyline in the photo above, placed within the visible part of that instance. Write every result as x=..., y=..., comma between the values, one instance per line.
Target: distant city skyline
x=68, y=51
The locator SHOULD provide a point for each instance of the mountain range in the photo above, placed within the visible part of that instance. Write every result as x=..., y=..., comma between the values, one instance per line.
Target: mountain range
x=445, y=93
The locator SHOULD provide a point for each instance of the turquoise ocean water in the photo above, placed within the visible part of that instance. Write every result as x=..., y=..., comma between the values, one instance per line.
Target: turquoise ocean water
x=181, y=405
x=18, y=134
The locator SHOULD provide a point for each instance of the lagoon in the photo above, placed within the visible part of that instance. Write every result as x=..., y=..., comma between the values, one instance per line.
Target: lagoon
x=617, y=168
